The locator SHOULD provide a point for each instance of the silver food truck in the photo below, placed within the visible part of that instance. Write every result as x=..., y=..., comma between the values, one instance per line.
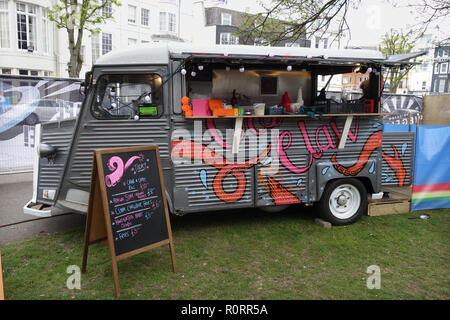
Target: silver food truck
x=237, y=127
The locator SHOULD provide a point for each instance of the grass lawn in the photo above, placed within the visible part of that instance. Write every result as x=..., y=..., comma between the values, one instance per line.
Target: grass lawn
x=248, y=255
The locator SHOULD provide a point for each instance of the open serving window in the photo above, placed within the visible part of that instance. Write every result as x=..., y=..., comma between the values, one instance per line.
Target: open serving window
x=235, y=87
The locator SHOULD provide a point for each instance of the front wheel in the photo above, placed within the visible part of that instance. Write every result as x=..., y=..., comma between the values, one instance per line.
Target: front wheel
x=343, y=202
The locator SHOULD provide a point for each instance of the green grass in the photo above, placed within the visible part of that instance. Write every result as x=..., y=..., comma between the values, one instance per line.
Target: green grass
x=248, y=255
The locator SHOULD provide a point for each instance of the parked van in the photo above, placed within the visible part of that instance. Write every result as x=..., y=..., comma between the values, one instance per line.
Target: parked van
x=237, y=127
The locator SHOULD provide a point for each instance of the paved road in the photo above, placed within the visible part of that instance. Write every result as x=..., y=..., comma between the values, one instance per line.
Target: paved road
x=15, y=191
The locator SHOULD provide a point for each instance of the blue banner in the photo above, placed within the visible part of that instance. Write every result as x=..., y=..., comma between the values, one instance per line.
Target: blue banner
x=431, y=187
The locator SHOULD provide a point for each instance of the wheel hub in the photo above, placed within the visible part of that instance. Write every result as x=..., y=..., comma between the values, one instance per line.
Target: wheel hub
x=342, y=200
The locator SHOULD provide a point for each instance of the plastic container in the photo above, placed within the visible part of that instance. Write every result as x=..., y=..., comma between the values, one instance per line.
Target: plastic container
x=295, y=107
x=276, y=110
x=259, y=109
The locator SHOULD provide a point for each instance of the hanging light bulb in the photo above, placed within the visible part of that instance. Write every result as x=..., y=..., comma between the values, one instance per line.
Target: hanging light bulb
x=369, y=69
x=113, y=105
x=309, y=56
x=147, y=99
x=193, y=73
x=227, y=68
x=325, y=56
x=241, y=69
x=289, y=68
x=136, y=117
x=183, y=71
x=200, y=67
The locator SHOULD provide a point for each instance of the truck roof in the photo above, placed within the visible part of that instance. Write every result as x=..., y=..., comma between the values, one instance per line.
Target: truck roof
x=159, y=53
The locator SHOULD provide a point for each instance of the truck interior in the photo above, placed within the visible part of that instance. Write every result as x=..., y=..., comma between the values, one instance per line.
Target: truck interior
x=281, y=86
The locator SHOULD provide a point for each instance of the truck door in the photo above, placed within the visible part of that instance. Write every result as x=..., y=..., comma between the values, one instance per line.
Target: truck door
x=127, y=107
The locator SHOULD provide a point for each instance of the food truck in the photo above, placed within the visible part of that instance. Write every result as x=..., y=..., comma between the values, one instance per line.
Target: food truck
x=237, y=127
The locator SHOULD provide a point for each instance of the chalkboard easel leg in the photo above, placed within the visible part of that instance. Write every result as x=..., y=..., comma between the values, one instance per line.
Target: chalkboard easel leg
x=116, y=277
x=85, y=255
x=172, y=253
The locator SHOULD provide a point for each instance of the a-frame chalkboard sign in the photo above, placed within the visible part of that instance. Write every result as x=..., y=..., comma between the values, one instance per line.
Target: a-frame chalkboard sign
x=127, y=204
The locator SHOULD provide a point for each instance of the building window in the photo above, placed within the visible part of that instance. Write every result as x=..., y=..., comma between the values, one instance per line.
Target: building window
x=23, y=72
x=228, y=38
x=106, y=42
x=145, y=41
x=325, y=43
x=167, y=22
x=46, y=32
x=444, y=68
x=226, y=19
x=83, y=52
x=436, y=68
x=95, y=47
x=317, y=42
x=269, y=85
x=344, y=80
x=6, y=71
x=441, y=85
x=107, y=10
x=26, y=26
x=4, y=24
x=424, y=85
x=132, y=42
x=131, y=14
x=144, y=16
x=172, y=22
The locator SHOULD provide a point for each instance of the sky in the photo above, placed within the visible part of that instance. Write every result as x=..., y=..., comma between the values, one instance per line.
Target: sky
x=373, y=19
x=368, y=23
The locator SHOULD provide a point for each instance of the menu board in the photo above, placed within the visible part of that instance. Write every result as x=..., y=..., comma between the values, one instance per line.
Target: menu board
x=135, y=201
x=127, y=204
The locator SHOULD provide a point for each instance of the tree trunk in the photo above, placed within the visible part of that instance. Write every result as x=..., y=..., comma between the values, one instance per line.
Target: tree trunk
x=76, y=61
x=393, y=84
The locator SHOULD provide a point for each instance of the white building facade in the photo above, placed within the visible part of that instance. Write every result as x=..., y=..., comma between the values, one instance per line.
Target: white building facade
x=30, y=44
x=419, y=78
x=27, y=38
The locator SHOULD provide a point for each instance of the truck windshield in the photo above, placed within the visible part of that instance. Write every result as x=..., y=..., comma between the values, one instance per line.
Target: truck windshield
x=125, y=96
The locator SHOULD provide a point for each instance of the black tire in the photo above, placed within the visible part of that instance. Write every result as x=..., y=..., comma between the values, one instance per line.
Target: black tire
x=32, y=119
x=343, y=202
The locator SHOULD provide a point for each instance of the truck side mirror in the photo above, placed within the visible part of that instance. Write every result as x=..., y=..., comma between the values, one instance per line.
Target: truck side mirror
x=86, y=85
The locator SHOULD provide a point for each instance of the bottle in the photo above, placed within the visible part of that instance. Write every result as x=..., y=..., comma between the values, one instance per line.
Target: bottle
x=234, y=98
x=300, y=96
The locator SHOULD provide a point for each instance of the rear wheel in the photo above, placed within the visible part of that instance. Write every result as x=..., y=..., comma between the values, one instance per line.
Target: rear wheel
x=343, y=202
